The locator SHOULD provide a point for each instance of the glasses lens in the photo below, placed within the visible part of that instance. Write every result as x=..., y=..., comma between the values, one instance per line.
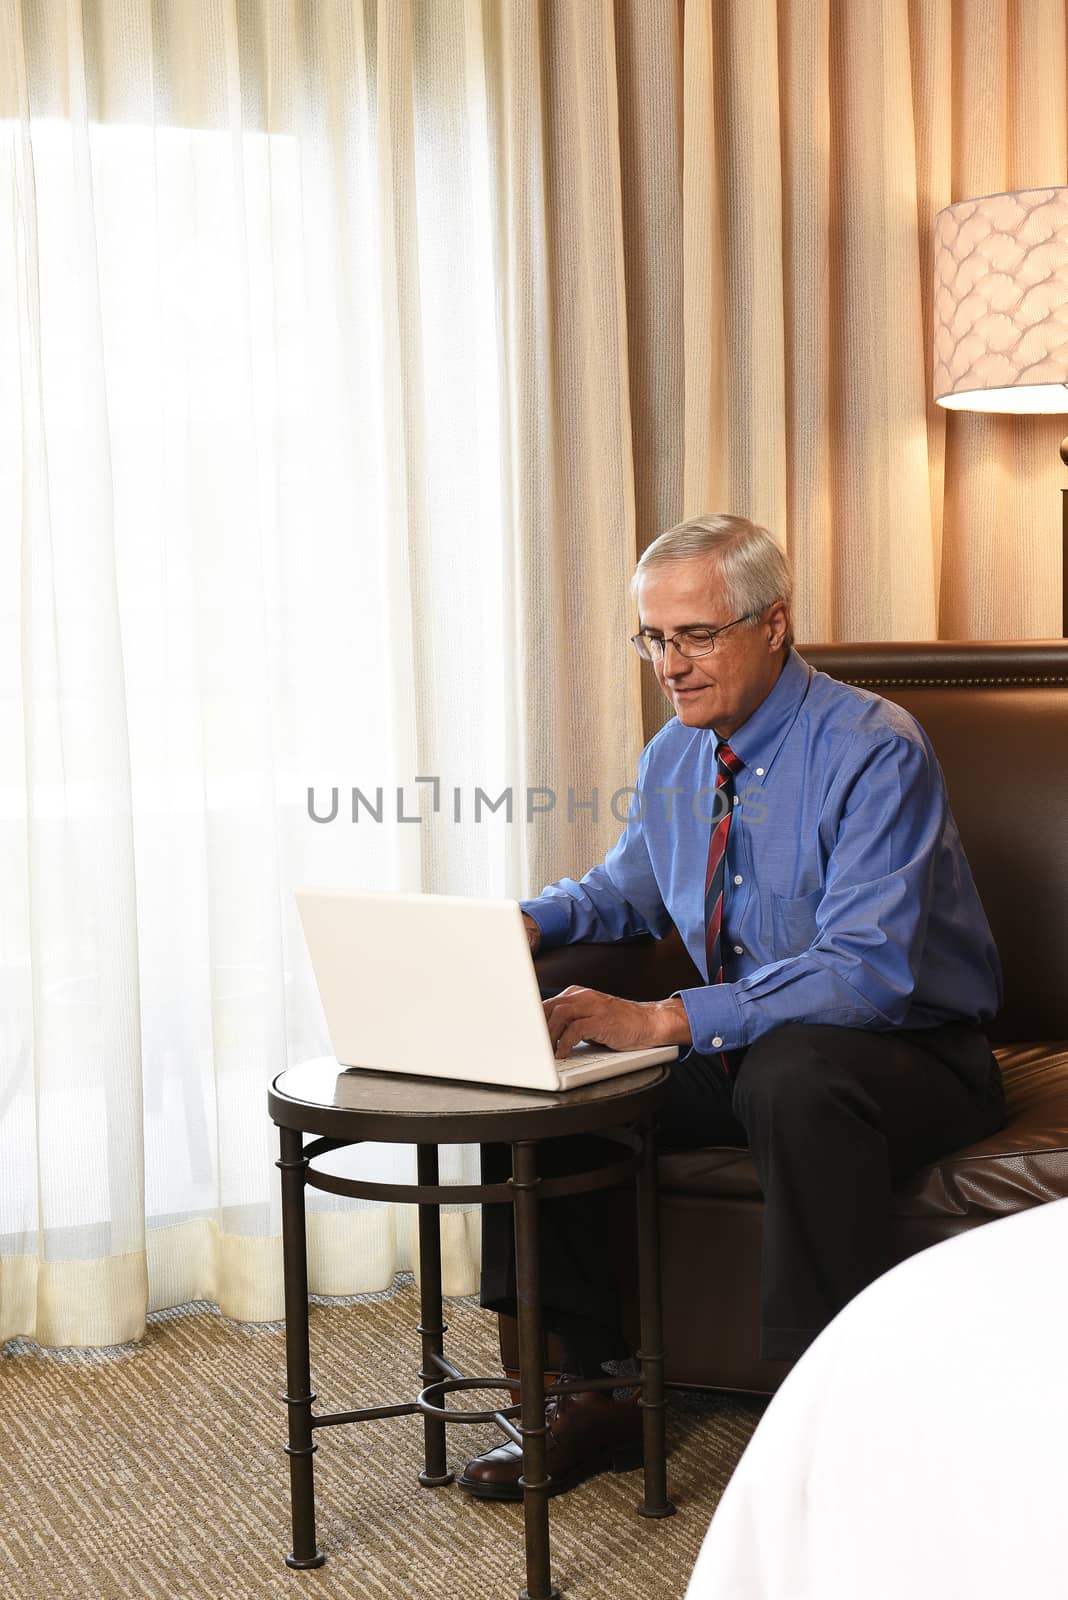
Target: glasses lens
x=695, y=641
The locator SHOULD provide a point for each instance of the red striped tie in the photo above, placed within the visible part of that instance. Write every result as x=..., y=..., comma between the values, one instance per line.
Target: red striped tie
x=727, y=764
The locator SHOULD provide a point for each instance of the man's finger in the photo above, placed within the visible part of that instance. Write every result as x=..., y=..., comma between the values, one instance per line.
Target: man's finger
x=562, y=1007
x=572, y=1035
x=568, y=1018
x=560, y=1020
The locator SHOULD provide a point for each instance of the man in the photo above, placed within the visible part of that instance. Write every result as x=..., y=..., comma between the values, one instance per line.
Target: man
x=811, y=863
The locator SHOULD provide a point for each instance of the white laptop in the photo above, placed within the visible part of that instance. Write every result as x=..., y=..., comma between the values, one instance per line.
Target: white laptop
x=441, y=986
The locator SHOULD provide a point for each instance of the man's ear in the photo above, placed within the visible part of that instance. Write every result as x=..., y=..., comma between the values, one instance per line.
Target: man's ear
x=777, y=624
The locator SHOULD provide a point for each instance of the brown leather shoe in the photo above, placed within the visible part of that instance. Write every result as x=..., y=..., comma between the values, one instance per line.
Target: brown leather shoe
x=587, y=1433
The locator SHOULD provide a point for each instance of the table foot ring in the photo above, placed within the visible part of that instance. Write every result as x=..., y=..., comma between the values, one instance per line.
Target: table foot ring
x=446, y=1414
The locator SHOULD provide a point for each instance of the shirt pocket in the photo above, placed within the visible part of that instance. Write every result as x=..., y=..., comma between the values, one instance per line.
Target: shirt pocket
x=794, y=922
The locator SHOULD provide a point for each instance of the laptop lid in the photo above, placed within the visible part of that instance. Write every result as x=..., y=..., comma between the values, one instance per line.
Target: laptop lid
x=431, y=985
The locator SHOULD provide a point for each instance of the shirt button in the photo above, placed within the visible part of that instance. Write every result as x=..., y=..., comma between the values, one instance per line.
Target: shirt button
x=738, y=878
x=717, y=1043
x=760, y=772
x=738, y=950
x=736, y=799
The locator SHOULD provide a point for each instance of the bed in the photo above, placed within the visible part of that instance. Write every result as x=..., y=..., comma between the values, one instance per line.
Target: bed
x=917, y=1449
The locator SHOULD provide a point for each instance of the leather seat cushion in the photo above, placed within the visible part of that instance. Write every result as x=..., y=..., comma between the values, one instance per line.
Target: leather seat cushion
x=1023, y=1165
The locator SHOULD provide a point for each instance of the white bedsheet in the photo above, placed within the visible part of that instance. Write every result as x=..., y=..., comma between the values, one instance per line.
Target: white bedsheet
x=920, y=1447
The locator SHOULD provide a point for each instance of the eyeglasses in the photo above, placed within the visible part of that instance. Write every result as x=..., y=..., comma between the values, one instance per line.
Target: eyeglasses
x=689, y=642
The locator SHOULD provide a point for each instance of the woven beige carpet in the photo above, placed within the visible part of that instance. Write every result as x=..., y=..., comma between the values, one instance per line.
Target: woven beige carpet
x=157, y=1470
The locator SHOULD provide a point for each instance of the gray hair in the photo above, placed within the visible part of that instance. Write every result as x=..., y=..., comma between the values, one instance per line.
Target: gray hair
x=754, y=570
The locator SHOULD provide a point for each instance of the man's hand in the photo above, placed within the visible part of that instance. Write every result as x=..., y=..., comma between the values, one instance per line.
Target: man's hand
x=577, y=1014
x=533, y=933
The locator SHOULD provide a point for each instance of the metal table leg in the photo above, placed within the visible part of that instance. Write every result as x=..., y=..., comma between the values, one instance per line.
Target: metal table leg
x=431, y=1327
x=535, y=1480
x=299, y=1396
x=656, y=1502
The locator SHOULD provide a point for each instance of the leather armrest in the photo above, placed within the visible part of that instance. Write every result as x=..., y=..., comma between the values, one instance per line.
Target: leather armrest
x=640, y=969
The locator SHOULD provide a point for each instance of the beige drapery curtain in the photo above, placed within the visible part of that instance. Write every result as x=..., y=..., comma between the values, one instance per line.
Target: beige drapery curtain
x=495, y=292
x=781, y=164
x=821, y=140
x=781, y=364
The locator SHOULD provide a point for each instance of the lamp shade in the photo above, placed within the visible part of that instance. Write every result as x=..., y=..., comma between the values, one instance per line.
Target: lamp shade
x=1001, y=303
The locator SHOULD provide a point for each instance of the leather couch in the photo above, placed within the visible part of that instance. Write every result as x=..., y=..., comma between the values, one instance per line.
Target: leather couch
x=997, y=715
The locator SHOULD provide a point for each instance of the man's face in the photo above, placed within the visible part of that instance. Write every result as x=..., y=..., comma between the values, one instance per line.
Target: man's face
x=723, y=689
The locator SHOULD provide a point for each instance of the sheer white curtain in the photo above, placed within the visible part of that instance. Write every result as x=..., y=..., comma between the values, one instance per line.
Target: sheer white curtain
x=258, y=536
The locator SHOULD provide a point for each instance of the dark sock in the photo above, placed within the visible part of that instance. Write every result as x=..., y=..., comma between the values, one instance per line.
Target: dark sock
x=586, y=1345
x=589, y=1352
x=579, y=1359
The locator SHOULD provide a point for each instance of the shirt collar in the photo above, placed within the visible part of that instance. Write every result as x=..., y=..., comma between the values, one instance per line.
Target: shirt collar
x=759, y=738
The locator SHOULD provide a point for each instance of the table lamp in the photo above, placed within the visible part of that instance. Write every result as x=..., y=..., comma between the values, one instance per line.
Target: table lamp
x=1001, y=312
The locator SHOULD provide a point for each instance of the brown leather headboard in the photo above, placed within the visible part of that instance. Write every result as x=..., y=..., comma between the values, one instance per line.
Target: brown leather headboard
x=997, y=715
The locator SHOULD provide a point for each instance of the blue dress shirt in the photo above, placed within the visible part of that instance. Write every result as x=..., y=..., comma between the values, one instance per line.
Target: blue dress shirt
x=848, y=897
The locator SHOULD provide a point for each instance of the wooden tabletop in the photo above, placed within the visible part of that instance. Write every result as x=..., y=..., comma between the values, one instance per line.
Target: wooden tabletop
x=322, y=1097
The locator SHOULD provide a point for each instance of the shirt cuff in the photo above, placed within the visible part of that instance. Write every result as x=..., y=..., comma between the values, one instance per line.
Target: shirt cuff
x=714, y=1017
x=552, y=918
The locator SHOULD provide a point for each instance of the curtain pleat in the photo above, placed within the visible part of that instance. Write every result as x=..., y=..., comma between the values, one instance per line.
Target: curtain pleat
x=554, y=111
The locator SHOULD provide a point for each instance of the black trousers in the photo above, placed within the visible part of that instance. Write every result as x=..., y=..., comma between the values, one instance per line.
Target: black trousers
x=833, y=1118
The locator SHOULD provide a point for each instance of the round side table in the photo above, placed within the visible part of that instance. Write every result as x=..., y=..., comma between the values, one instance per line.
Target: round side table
x=344, y=1107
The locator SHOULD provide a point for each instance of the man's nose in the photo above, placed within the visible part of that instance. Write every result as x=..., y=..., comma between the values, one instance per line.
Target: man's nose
x=681, y=662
